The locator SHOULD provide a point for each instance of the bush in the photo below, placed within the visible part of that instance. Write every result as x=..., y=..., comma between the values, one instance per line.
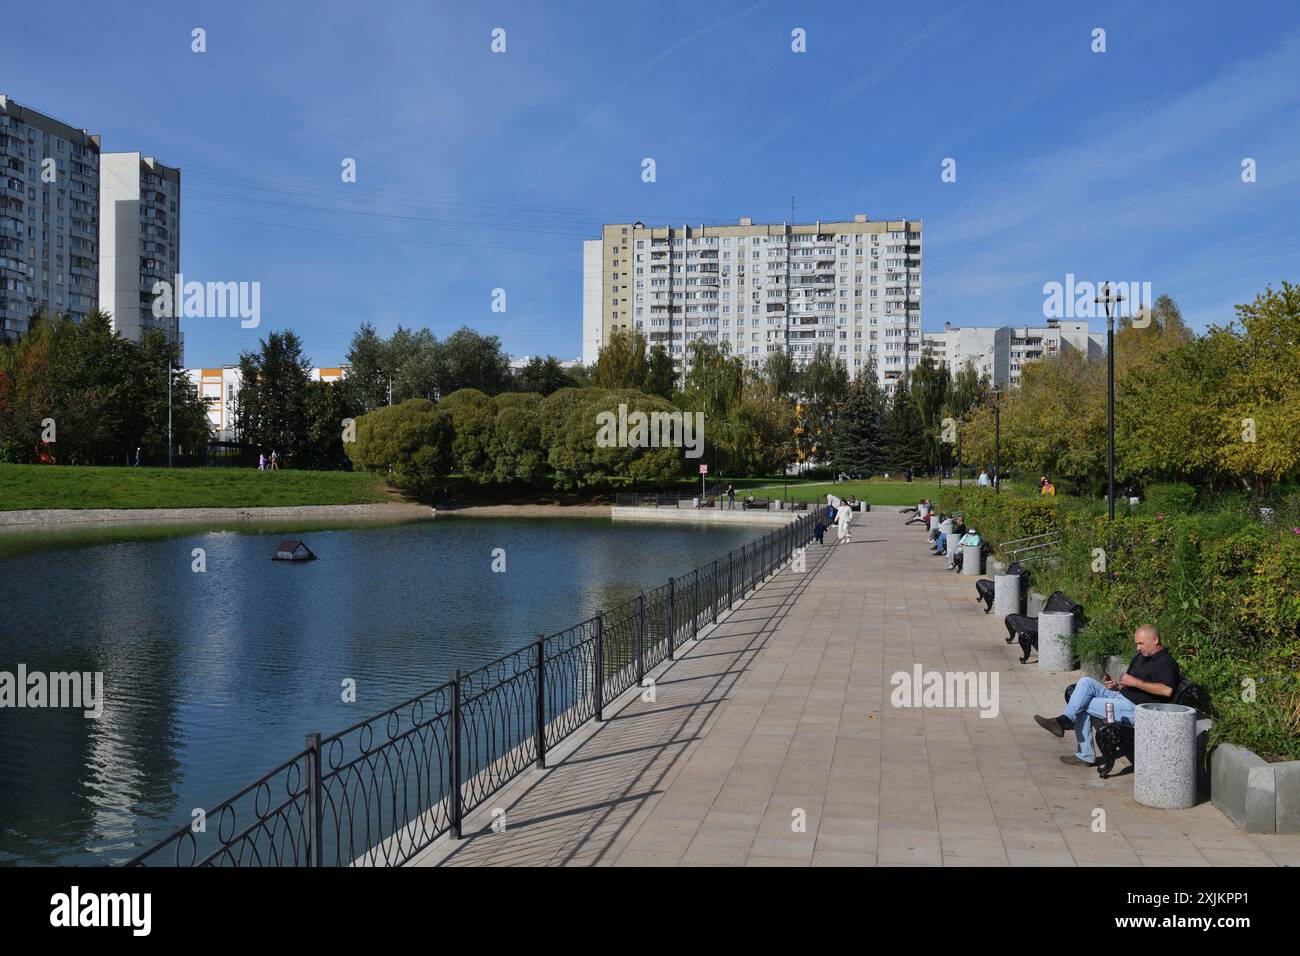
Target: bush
x=1174, y=498
x=410, y=443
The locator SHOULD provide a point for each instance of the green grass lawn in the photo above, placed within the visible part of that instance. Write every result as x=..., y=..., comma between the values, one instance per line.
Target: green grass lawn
x=878, y=491
x=64, y=486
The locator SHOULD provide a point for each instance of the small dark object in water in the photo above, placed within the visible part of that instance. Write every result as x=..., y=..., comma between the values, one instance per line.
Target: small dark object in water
x=290, y=550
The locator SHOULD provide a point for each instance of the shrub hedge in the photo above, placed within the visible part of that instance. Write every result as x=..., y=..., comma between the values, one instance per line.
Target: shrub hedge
x=1221, y=587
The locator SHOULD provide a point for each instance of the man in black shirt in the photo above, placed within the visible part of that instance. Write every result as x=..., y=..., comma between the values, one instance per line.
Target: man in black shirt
x=1152, y=677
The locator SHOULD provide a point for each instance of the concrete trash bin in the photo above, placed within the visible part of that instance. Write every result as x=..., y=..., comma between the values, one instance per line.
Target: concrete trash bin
x=1006, y=594
x=1056, y=641
x=1034, y=605
x=972, y=559
x=1164, y=756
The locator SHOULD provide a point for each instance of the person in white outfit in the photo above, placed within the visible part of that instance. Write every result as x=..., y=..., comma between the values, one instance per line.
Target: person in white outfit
x=844, y=523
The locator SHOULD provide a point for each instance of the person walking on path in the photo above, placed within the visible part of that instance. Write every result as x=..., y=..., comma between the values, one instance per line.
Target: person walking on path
x=731, y=496
x=261, y=461
x=137, y=456
x=844, y=523
x=275, y=460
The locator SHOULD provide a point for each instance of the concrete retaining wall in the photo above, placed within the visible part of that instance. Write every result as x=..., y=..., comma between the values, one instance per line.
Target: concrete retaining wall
x=73, y=517
x=1258, y=796
x=705, y=515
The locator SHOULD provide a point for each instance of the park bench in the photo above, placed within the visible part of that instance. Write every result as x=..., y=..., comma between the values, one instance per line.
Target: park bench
x=984, y=587
x=1112, y=741
x=757, y=503
x=1022, y=628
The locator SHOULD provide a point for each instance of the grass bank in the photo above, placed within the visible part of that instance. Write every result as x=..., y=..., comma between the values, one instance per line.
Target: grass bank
x=43, y=487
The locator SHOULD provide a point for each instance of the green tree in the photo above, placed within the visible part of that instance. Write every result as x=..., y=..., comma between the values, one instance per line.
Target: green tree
x=370, y=370
x=858, y=427
x=473, y=420
x=780, y=375
x=621, y=362
x=516, y=450
x=904, y=444
x=661, y=373
x=543, y=376
x=271, y=413
x=928, y=385
x=409, y=443
x=823, y=384
x=326, y=406
x=475, y=361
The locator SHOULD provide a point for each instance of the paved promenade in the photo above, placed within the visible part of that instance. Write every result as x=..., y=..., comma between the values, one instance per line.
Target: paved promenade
x=782, y=713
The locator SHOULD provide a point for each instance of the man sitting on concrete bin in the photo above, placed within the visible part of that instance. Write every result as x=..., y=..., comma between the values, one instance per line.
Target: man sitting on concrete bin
x=1150, y=679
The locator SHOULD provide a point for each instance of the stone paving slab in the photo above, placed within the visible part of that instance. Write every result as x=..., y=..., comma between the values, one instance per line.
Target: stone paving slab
x=773, y=742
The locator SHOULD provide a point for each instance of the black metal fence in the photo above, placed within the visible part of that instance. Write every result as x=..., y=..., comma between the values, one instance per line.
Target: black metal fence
x=382, y=790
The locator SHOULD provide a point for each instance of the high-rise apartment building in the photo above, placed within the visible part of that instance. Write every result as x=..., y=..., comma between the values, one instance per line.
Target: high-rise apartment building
x=139, y=241
x=854, y=286
x=49, y=218
x=1001, y=352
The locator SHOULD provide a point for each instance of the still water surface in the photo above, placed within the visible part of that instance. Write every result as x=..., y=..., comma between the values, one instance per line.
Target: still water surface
x=213, y=678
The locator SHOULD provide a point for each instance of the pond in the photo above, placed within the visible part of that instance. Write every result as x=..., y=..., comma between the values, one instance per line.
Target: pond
x=213, y=677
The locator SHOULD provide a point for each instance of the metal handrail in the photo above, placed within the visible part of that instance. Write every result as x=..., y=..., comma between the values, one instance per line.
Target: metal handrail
x=383, y=789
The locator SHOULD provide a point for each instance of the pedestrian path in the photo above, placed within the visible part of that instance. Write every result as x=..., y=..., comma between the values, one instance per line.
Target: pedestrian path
x=773, y=741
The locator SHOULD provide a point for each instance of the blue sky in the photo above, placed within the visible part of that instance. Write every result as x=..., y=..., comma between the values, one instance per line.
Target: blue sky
x=1123, y=165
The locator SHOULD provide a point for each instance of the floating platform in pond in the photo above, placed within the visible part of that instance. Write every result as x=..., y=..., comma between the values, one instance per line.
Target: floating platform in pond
x=290, y=550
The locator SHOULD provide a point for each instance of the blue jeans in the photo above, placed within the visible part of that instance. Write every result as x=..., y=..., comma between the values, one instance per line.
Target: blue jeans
x=940, y=543
x=1088, y=701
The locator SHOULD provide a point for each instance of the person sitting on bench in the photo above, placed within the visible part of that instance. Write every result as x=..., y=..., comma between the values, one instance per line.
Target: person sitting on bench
x=922, y=512
x=1151, y=678
x=970, y=539
x=941, y=542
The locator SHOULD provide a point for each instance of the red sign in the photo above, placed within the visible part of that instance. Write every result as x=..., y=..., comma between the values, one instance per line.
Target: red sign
x=704, y=469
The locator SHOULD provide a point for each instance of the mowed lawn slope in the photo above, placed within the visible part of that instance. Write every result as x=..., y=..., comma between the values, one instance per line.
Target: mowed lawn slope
x=879, y=491
x=24, y=487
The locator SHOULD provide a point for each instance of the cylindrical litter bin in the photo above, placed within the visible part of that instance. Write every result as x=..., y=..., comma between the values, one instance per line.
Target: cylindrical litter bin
x=1056, y=641
x=972, y=559
x=1006, y=594
x=1164, y=756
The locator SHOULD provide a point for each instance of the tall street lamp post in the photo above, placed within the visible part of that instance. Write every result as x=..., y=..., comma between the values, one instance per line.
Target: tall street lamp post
x=997, y=442
x=169, y=412
x=1111, y=301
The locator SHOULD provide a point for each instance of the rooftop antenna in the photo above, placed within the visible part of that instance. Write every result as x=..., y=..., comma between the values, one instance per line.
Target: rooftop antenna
x=792, y=210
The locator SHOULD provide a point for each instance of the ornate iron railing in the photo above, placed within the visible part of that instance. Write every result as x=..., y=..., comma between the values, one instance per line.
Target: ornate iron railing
x=380, y=791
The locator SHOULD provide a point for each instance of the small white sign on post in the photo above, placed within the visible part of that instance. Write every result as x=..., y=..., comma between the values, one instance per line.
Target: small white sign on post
x=704, y=470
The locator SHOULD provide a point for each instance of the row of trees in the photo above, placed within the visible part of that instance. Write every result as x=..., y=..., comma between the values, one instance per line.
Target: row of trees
x=513, y=438
x=1218, y=410
x=81, y=394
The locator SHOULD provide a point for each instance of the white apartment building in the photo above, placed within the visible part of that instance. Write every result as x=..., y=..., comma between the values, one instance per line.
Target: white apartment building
x=219, y=389
x=519, y=362
x=1001, y=352
x=139, y=241
x=854, y=286
x=49, y=218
